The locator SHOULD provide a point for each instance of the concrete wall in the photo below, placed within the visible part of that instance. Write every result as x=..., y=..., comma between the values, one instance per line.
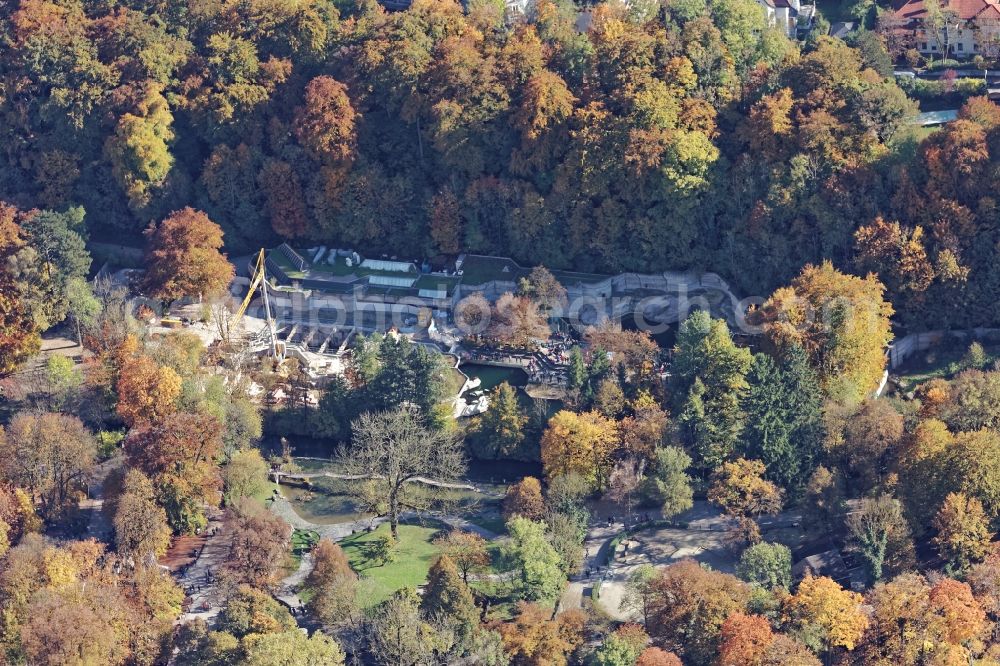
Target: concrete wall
x=903, y=348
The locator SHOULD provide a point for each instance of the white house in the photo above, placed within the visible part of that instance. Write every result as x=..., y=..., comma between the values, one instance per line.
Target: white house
x=964, y=28
x=783, y=13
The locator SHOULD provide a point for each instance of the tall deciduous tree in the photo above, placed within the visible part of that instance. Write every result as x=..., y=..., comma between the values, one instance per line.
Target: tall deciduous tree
x=147, y=392
x=821, y=605
x=871, y=438
x=285, y=200
x=946, y=616
x=324, y=124
x=48, y=455
x=689, y=605
x=334, y=584
x=466, y=549
x=883, y=535
x=141, y=530
x=261, y=540
x=842, y=322
x=397, y=634
x=537, y=564
x=534, y=638
x=739, y=487
x=183, y=257
x=393, y=451
x=768, y=565
x=963, y=532
x=579, y=443
x=517, y=320
x=448, y=601
x=245, y=475
x=744, y=640
x=524, y=498
x=542, y=286
x=654, y=656
x=251, y=611
x=18, y=330
x=293, y=648
x=179, y=455
x=139, y=149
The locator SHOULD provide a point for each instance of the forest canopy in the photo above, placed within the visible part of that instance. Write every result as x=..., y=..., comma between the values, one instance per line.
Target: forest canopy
x=684, y=136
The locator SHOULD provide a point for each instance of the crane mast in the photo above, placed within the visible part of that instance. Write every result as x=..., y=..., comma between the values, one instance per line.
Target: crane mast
x=259, y=278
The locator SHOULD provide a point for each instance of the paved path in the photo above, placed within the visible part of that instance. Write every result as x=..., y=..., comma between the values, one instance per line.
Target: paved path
x=595, y=549
x=303, y=476
x=199, y=579
x=705, y=539
x=288, y=587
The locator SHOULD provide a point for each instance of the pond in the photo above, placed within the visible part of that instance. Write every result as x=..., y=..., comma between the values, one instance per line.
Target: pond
x=492, y=376
x=327, y=502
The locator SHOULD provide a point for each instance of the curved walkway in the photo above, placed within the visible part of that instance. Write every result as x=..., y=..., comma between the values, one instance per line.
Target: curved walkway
x=305, y=476
x=704, y=539
x=289, y=586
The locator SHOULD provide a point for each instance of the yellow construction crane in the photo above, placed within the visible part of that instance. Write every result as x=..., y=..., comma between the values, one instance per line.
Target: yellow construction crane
x=259, y=278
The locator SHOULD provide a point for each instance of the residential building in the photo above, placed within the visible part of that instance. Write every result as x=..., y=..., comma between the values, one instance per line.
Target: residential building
x=783, y=14
x=961, y=29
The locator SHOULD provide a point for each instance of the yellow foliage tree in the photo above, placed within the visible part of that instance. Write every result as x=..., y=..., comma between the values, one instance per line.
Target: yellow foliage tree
x=821, y=603
x=581, y=443
x=841, y=320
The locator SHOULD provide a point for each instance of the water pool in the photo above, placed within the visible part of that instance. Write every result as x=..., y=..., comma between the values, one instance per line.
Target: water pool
x=492, y=376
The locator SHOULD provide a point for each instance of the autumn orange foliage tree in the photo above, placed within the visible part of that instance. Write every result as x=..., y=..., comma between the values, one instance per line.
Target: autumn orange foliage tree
x=18, y=332
x=947, y=617
x=146, y=391
x=689, y=605
x=743, y=640
x=179, y=454
x=183, y=257
x=535, y=639
x=324, y=124
x=524, y=498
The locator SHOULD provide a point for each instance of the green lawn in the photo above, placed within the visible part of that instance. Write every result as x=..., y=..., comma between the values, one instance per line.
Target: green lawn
x=414, y=555
x=266, y=492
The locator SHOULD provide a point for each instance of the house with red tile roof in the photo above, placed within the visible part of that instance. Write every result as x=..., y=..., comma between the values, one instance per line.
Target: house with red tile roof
x=949, y=28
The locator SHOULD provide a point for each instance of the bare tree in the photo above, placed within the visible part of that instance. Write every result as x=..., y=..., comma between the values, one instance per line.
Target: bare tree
x=390, y=452
x=518, y=320
x=542, y=286
x=626, y=478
